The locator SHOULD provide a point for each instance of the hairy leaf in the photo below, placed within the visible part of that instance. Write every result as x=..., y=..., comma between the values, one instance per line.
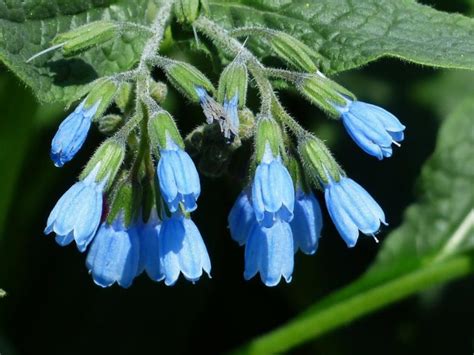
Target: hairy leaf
x=27, y=27
x=348, y=34
x=434, y=243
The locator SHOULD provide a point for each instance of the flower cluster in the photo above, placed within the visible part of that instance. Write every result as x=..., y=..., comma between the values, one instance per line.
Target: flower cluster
x=130, y=210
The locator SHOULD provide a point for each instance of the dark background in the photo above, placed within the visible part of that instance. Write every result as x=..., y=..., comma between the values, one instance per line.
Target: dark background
x=53, y=307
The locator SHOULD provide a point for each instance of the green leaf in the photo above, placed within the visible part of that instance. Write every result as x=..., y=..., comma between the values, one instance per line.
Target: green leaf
x=348, y=34
x=434, y=244
x=2, y=293
x=28, y=27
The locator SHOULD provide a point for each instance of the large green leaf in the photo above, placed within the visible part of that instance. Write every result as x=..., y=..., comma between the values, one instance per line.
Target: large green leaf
x=434, y=244
x=348, y=34
x=27, y=27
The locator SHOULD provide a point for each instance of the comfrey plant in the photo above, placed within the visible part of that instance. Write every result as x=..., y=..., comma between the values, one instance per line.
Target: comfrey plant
x=131, y=209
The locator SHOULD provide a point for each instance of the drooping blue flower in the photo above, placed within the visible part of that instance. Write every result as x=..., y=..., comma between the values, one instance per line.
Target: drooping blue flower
x=114, y=254
x=307, y=222
x=352, y=209
x=76, y=216
x=149, y=247
x=182, y=250
x=232, y=115
x=241, y=218
x=270, y=252
x=72, y=133
x=372, y=128
x=273, y=194
x=178, y=178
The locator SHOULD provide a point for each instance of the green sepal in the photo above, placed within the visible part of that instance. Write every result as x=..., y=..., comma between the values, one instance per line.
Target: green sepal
x=247, y=123
x=293, y=51
x=233, y=81
x=125, y=96
x=268, y=132
x=324, y=93
x=158, y=91
x=318, y=162
x=125, y=202
x=85, y=37
x=161, y=126
x=108, y=157
x=104, y=93
x=186, y=11
x=185, y=78
x=108, y=124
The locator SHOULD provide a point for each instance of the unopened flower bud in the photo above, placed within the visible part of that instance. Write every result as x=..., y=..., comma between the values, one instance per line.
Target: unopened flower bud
x=186, y=10
x=125, y=96
x=186, y=78
x=293, y=51
x=110, y=123
x=158, y=91
x=85, y=37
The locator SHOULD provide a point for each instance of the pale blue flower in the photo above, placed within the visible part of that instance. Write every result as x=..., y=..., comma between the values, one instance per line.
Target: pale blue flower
x=273, y=194
x=241, y=218
x=149, y=247
x=182, y=250
x=114, y=254
x=372, y=128
x=178, y=178
x=307, y=222
x=72, y=133
x=352, y=209
x=270, y=252
x=76, y=216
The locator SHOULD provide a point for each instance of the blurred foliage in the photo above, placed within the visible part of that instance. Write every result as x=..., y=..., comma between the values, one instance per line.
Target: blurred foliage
x=52, y=306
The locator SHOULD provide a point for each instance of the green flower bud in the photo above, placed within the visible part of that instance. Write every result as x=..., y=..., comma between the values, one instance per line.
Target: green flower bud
x=268, y=132
x=108, y=157
x=233, y=83
x=85, y=37
x=125, y=201
x=293, y=51
x=186, y=10
x=125, y=96
x=324, y=92
x=158, y=91
x=110, y=123
x=161, y=126
x=318, y=162
x=104, y=93
x=186, y=78
x=247, y=123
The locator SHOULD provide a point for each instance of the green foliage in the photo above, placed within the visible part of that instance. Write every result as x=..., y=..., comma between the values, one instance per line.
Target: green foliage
x=434, y=243
x=348, y=34
x=27, y=28
x=344, y=35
